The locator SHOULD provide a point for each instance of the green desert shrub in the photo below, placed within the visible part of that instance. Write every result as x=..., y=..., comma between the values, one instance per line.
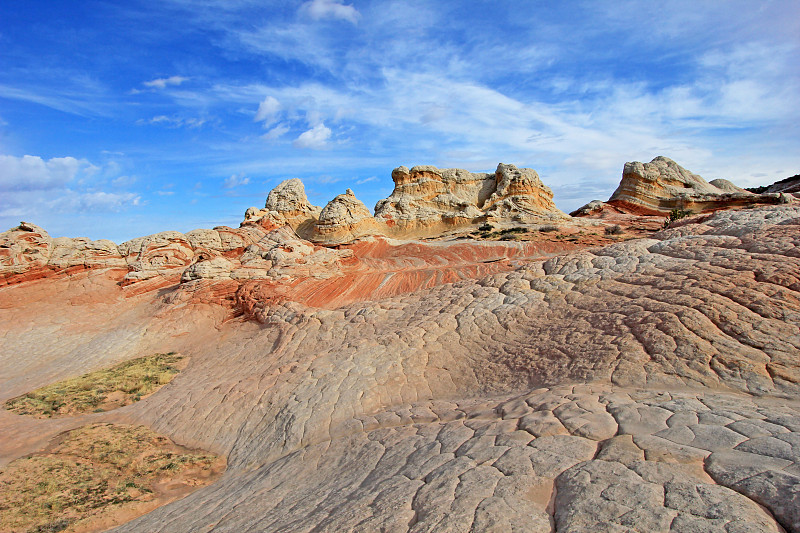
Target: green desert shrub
x=676, y=214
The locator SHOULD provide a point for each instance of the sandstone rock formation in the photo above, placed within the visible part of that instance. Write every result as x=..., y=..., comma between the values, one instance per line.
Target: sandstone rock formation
x=661, y=186
x=24, y=248
x=344, y=219
x=521, y=196
x=727, y=186
x=427, y=200
x=28, y=252
x=286, y=204
x=156, y=255
x=278, y=255
x=649, y=385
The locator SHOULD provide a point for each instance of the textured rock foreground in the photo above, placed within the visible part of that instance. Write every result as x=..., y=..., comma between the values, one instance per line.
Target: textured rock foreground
x=650, y=385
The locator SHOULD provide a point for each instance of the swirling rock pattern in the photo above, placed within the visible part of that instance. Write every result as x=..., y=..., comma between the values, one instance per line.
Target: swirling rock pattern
x=650, y=385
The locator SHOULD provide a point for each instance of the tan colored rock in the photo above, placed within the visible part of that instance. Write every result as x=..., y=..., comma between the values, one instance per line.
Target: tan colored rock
x=278, y=255
x=24, y=248
x=727, y=186
x=233, y=241
x=344, y=219
x=521, y=197
x=427, y=201
x=84, y=252
x=286, y=204
x=662, y=185
x=213, y=268
x=28, y=252
x=204, y=238
x=161, y=254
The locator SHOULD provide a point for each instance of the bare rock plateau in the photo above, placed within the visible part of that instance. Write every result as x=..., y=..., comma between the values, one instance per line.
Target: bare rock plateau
x=544, y=373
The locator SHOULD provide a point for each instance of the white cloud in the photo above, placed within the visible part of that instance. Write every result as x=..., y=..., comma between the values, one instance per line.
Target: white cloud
x=323, y=9
x=276, y=132
x=366, y=180
x=37, y=189
x=173, y=122
x=235, y=181
x=34, y=173
x=162, y=83
x=37, y=205
x=316, y=138
x=267, y=110
x=105, y=201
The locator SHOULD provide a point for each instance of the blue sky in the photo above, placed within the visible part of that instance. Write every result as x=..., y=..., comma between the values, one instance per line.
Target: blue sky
x=121, y=119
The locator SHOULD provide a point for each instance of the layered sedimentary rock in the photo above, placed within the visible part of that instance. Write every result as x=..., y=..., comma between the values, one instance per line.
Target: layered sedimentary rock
x=24, y=248
x=278, y=255
x=727, y=186
x=278, y=262
x=28, y=252
x=520, y=196
x=661, y=186
x=649, y=385
x=344, y=219
x=427, y=200
x=156, y=255
x=286, y=204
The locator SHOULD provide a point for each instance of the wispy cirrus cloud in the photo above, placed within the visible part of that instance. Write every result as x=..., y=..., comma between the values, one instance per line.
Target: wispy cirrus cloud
x=330, y=9
x=173, y=121
x=163, y=83
x=76, y=102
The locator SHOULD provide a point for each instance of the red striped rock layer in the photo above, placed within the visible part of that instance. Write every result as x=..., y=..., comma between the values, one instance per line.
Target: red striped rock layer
x=651, y=383
x=381, y=268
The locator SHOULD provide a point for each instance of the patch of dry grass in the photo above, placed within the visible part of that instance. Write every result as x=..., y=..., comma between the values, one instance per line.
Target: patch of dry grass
x=102, y=390
x=92, y=472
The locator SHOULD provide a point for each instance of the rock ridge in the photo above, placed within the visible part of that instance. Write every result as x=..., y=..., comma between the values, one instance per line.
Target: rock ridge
x=662, y=186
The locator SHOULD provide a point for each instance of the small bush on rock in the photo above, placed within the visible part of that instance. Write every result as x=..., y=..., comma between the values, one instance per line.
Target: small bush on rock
x=676, y=214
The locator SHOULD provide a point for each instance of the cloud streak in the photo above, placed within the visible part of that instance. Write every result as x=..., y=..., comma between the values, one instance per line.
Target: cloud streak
x=163, y=83
x=331, y=9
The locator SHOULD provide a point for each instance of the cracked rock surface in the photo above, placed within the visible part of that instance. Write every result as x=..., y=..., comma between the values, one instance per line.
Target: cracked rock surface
x=651, y=385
